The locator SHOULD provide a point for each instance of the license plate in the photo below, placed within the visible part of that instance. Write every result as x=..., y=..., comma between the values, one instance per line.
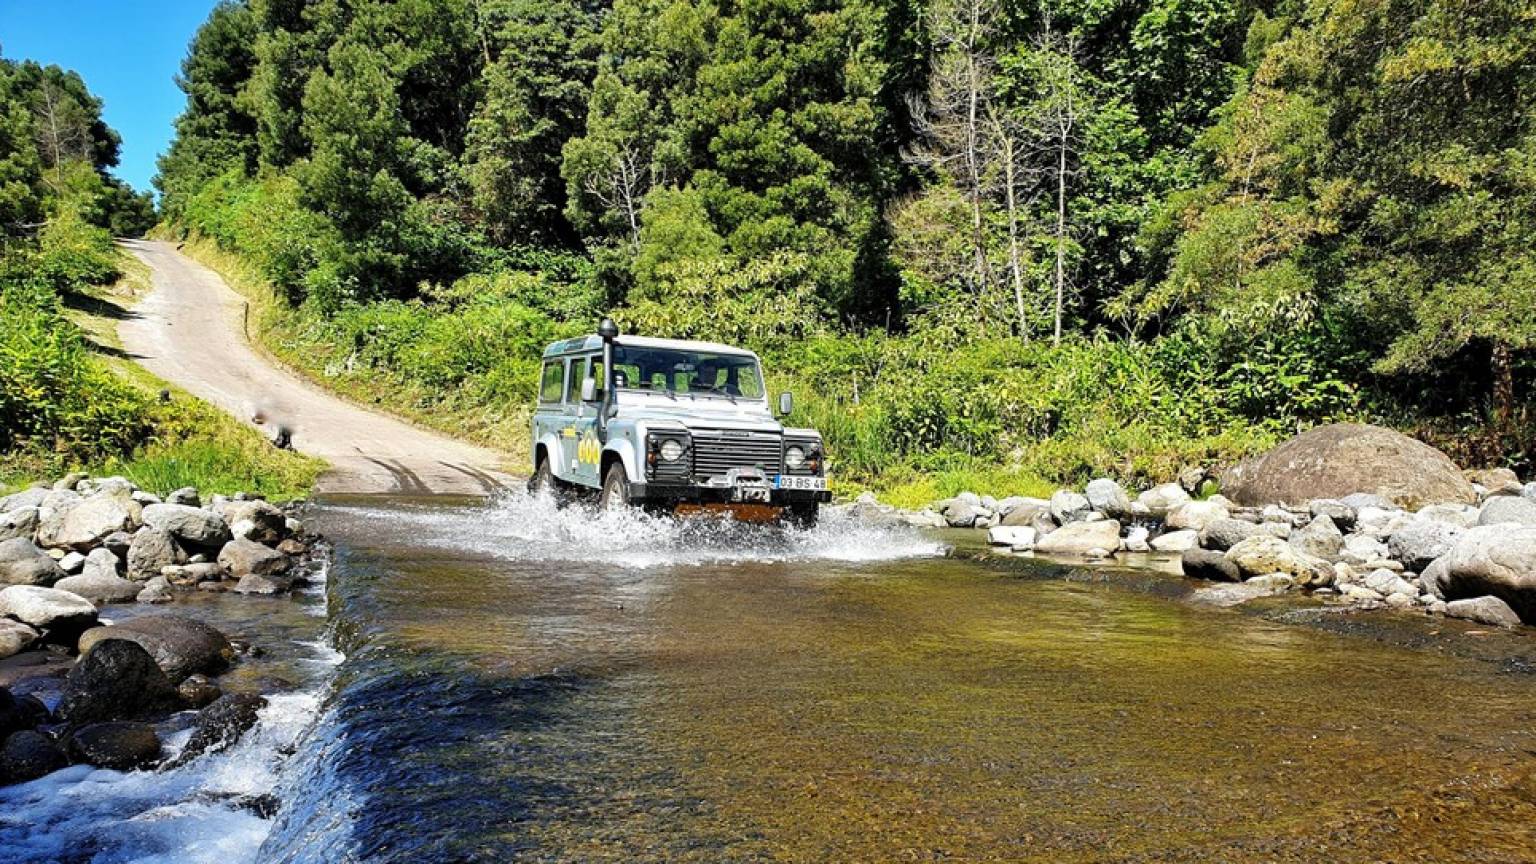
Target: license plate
x=809, y=484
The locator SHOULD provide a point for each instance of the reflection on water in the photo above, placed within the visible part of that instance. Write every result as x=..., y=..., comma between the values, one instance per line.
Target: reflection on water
x=521, y=685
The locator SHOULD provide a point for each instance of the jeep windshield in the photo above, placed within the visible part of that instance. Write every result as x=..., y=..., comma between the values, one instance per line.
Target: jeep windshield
x=681, y=372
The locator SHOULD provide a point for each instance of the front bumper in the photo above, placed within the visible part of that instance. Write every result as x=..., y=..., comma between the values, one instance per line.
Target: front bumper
x=694, y=493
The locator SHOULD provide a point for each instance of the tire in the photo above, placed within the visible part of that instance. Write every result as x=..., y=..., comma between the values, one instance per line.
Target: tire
x=615, y=494
x=802, y=514
x=544, y=480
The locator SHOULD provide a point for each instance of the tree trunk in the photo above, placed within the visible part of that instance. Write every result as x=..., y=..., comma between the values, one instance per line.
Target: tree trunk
x=1014, y=264
x=1061, y=235
x=1503, y=387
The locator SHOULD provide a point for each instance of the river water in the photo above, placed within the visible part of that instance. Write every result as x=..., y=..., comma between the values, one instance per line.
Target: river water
x=521, y=685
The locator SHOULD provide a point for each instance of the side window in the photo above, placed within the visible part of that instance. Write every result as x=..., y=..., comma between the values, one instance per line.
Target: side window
x=551, y=382
x=573, y=381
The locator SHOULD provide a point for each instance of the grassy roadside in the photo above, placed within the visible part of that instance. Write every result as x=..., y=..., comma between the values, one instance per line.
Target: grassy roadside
x=283, y=335
x=192, y=442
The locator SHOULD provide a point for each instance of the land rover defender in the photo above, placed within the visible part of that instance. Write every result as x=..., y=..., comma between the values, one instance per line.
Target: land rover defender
x=671, y=425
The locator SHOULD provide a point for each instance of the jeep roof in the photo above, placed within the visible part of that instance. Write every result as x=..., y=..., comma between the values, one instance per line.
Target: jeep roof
x=594, y=342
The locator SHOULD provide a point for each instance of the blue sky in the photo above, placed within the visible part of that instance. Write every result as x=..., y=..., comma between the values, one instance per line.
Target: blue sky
x=127, y=51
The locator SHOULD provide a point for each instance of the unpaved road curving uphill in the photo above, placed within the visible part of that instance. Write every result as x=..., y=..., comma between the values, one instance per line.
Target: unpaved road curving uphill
x=188, y=330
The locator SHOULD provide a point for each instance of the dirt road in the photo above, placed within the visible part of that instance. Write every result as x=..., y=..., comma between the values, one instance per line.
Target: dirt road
x=188, y=330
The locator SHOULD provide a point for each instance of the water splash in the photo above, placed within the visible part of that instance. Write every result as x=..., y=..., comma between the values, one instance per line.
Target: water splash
x=518, y=526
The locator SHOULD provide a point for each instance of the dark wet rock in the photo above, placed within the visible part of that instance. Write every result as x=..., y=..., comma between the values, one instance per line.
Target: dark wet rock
x=117, y=680
x=1496, y=560
x=1419, y=544
x=180, y=646
x=191, y=525
x=255, y=520
x=1320, y=538
x=1506, y=509
x=1222, y=534
x=118, y=543
x=28, y=755
x=22, y=563
x=242, y=557
x=1210, y=565
x=21, y=522
x=15, y=637
x=221, y=724
x=47, y=608
x=198, y=690
x=1483, y=610
x=117, y=745
x=13, y=717
x=1339, y=459
x=151, y=551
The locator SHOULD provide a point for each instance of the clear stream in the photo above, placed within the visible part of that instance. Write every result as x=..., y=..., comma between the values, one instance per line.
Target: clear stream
x=505, y=683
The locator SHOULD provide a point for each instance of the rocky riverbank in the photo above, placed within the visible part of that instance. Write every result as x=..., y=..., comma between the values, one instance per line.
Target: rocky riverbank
x=77, y=688
x=1398, y=526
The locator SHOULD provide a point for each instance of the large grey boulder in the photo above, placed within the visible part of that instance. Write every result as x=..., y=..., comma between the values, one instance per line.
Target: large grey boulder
x=1068, y=506
x=241, y=557
x=1222, y=534
x=1034, y=513
x=1320, y=539
x=1176, y=541
x=1262, y=555
x=1484, y=610
x=47, y=608
x=151, y=550
x=117, y=680
x=22, y=563
x=1508, y=510
x=25, y=498
x=1496, y=560
x=191, y=525
x=1339, y=459
x=1106, y=496
x=21, y=522
x=1419, y=544
x=181, y=646
x=87, y=523
x=1081, y=538
x=1342, y=514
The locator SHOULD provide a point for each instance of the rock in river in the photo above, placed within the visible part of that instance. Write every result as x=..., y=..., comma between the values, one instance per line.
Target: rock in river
x=119, y=746
x=242, y=557
x=1107, y=497
x=1261, y=555
x=47, y=608
x=15, y=637
x=86, y=523
x=1211, y=565
x=1484, y=610
x=152, y=550
x=1496, y=560
x=1080, y=538
x=118, y=680
x=1339, y=459
x=222, y=723
x=22, y=563
x=1223, y=534
x=181, y=646
x=1419, y=544
x=99, y=582
x=1320, y=538
x=1508, y=510
x=1176, y=541
x=28, y=755
x=1195, y=515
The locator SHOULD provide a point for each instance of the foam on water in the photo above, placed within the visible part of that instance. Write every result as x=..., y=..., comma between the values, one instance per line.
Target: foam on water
x=200, y=812
x=522, y=527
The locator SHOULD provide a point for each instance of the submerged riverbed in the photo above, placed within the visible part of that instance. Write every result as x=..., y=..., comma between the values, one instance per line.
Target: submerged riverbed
x=522, y=685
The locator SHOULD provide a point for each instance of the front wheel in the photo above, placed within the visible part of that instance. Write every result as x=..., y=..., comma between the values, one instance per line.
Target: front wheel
x=803, y=514
x=544, y=480
x=615, y=494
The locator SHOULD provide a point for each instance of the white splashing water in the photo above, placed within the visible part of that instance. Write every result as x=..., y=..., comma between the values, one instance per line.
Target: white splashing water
x=195, y=814
x=522, y=527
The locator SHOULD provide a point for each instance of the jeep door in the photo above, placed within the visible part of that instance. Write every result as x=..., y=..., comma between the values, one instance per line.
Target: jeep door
x=586, y=449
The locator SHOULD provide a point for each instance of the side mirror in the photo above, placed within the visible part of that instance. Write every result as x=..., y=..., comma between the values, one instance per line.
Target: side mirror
x=786, y=403
x=589, y=390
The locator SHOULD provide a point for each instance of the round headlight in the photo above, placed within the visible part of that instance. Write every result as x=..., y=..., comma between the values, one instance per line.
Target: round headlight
x=671, y=450
x=794, y=457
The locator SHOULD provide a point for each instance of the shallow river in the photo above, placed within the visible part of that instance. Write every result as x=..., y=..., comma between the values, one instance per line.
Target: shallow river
x=519, y=685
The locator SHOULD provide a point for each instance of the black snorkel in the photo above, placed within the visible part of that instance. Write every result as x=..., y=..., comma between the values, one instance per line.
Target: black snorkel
x=609, y=332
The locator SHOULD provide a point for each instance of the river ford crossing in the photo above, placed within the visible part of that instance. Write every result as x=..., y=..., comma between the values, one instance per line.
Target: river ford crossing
x=500, y=682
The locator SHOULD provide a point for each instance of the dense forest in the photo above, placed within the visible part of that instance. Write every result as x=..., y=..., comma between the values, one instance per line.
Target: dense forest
x=1060, y=237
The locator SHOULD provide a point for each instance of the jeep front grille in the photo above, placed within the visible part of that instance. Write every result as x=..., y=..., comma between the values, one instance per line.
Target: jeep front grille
x=717, y=451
